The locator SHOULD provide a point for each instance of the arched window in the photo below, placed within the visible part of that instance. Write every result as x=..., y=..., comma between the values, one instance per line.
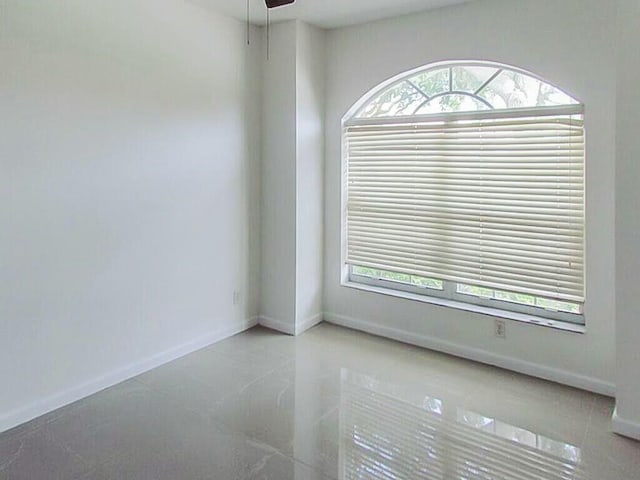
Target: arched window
x=466, y=181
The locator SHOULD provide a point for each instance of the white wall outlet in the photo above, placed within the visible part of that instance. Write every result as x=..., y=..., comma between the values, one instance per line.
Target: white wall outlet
x=236, y=297
x=500, y=329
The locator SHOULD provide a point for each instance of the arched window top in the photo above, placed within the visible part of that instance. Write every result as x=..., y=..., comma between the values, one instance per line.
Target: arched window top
x=463, y=87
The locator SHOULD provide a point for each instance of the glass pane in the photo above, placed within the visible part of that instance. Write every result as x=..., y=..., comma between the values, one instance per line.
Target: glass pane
x=395, y=277
x=416, y=280
x=367, y=272
x=475, y=291
x=521, y=298
x=509, y=89
x=427, y=282
x=469, y=79
x=550, y=96
x=452, y=103
x=514, y=90
x=402, y=99
x=432, y=82
x=558, y=306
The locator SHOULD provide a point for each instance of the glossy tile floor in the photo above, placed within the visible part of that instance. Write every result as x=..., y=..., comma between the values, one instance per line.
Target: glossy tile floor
x=330, y=404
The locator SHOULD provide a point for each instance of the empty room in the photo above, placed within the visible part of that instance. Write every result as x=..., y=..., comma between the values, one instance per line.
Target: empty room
x=319, y=239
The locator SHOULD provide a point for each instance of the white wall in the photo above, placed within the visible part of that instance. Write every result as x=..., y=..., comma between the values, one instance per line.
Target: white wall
x=627, y=418
x=128, y=181
x=310, y=102
x=548, y=38
x=131, y=191
x=292, y=183
x=277, y=292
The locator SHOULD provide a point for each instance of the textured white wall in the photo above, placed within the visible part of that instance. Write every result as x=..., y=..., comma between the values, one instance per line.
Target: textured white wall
x=310, y=102
x=628, y=221
x=548, y=38
x=129, y=147
x=292, y=181
x=277, y=292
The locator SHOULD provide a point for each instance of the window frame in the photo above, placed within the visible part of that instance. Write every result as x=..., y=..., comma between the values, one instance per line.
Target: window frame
x=449, y=296
x=450, y=292
x=354, y=112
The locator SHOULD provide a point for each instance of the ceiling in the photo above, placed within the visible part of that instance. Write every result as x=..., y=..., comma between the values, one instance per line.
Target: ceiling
x=325, y=13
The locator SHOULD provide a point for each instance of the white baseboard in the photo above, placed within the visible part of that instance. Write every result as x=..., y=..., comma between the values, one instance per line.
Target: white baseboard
x=40, y=407
x=548, y=373
x=286, y=327
x=278, y=325
x=625, y=427
x=308, y=323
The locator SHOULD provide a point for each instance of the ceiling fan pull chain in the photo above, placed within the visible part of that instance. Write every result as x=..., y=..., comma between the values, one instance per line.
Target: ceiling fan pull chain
x=273, y=4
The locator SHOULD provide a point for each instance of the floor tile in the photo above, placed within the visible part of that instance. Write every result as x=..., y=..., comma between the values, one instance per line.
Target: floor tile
x=279, y=467
x=330, y=404
x=318, y=445
x=275, y=407
x=193, y=450
x=200, y=383
x=124, y=418
x=607, y=454
x=38, y=456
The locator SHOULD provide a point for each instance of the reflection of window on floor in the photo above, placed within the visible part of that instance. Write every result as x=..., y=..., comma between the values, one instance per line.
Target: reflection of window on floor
x=518, y=435
x=386, y=433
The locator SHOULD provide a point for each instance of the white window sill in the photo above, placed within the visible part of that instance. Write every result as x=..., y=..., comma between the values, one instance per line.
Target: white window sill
x=468, y=307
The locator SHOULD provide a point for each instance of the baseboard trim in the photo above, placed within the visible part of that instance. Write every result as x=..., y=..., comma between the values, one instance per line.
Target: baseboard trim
x=308, y=323
x=625, y=427
x=278, y=325
x=287, y=328
x=548, y=373
x=53, y=402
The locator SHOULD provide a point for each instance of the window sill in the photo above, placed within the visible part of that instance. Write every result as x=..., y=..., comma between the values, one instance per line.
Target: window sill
x=468, y=307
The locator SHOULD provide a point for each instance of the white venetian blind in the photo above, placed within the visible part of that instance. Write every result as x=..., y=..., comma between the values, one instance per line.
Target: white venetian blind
x=494, y=199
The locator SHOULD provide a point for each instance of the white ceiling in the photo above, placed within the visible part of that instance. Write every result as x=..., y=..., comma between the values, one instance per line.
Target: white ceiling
x=326, y=13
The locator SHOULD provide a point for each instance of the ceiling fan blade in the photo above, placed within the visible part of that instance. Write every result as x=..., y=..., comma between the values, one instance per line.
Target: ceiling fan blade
x=278, y=3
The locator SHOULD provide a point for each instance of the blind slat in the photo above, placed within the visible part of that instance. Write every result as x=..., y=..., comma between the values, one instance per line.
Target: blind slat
x=484, y=201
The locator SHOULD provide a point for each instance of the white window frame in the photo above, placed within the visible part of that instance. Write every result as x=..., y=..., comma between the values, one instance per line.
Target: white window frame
x=448, y=296
x=497, y=307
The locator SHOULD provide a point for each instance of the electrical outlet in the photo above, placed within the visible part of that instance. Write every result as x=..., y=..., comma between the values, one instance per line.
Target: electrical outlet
x=500, y=329
x=236, y=297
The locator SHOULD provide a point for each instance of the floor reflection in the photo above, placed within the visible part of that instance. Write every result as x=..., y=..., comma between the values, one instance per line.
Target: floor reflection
x=388, y=432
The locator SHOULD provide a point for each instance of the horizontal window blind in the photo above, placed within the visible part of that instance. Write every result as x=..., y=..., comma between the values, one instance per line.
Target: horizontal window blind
x=484, y=200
